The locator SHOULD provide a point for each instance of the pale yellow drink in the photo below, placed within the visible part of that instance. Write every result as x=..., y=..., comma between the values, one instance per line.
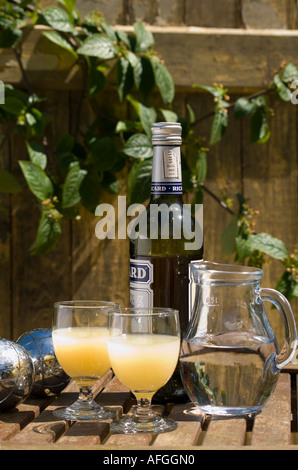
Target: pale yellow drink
x=144, y=362
x=82, y=352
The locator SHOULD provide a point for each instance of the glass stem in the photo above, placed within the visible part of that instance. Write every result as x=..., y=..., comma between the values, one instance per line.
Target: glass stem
x=144, y=409
x=85, y=394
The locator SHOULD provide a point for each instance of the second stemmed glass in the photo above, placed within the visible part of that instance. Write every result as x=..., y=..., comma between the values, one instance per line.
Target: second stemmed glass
x=80, y=334
x=144, y=347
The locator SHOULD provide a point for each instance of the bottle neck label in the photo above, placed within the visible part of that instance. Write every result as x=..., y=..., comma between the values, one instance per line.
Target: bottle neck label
x=166, y=171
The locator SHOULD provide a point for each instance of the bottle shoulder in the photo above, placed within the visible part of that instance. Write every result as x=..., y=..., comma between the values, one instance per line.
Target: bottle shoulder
x=163, y=248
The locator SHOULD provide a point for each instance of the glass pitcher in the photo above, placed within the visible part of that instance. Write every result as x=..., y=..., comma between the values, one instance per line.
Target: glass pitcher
x=230, y=360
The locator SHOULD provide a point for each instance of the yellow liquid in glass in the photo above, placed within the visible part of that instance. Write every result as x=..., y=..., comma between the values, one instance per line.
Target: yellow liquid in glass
x=144, y=362
x=82, y=352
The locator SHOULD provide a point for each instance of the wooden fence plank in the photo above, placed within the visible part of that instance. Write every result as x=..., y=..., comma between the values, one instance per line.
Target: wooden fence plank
x=224, y=176
x=270, y=185
x=97, y=263
x=239, y=58
x=5, y=249
x=38, y=281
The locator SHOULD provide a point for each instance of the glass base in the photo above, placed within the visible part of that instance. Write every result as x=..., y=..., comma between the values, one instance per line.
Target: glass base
x=228, y=412
x=131, y=425
x=84, y=411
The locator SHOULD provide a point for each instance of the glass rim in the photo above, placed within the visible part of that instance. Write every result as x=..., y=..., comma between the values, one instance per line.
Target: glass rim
x=86, y=304
x=210, y=270
x=144, y=311
x=212, y=266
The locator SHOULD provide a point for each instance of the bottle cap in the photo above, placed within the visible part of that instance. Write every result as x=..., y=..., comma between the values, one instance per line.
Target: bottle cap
x=166, y=133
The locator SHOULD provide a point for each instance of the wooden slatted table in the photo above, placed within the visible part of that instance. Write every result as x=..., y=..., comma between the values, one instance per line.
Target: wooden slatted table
x=32, y=425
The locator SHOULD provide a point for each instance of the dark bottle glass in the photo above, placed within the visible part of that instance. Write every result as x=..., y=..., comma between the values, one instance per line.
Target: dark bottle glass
x=171, y=237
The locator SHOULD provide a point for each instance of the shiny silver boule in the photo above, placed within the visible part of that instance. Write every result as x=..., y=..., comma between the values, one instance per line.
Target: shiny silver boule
x=16, y=374
x=49, y=377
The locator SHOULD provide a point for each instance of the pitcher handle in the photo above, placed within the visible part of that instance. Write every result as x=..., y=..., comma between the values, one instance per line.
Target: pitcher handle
x=285, y=310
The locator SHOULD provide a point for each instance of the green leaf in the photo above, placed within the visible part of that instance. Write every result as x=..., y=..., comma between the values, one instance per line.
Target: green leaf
x=38, y=181
x=13, y=105
x=69, y=4
x=136, y=65
x=110, y=183
x=109, y=31
x=124, y=126
x=9, y=37
x=289, y=73
x=8, y=183
x=11, y=92
x=219, y=125
x=139, y=181
x=103, y=154
x=138, y=146
x=216, y=91
x=57, y=39
x=269, y=245
x=147, y=116
x=145, y=79
x=164, y=81
x=259, y=126
x=127, y=39
x=287, y=286
x=228, y=237
x=65, y=145
x=244, y=247
x=48, y=233
x=96, y=82
x=198, y=196
x=201, y=167
x=37, y=154
x=144, y=38
x=90, y=190
x=243, y=107
x=65, y=152
x=192, y=117
x=169, y=116
x=125, y=77
x=58, y=19
x=98, y=45
x=37, y=122
x=71, y=189
x=143, y=74
x=282, y=90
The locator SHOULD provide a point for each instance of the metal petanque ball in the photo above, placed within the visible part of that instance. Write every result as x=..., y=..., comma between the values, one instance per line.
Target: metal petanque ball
x=16, y=374
x=49, y=377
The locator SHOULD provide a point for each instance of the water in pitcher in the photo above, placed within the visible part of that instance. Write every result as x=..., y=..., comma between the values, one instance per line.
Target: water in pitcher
x=231, y=376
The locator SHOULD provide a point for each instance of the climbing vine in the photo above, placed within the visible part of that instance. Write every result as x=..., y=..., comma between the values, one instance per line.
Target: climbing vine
x=90, y=162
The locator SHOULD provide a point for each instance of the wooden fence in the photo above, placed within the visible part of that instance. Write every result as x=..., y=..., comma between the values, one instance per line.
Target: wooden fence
x=202, y=43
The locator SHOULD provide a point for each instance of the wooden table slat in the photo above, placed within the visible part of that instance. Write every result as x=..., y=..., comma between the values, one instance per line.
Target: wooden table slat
x=32, y=425
x=225, y=432
x=273, y=426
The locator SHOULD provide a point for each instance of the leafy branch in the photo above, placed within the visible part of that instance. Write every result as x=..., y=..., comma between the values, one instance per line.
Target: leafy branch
x=90, y=161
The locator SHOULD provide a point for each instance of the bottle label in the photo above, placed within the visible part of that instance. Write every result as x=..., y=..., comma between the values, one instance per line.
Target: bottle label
x=141, y=277
x=166, y=172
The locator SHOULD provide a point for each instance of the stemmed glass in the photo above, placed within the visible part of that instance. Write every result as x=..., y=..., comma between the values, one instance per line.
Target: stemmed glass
x=80, y=334
x=144, y=347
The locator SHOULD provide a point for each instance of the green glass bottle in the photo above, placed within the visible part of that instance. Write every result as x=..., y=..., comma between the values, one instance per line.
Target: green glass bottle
x=160, y=257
